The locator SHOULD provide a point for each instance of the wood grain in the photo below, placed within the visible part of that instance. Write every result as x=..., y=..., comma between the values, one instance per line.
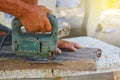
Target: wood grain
x=82, y=60
x=117, y=75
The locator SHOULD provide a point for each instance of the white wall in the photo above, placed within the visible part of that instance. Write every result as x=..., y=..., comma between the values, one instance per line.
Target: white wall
x=95, y=7
x=51, y=4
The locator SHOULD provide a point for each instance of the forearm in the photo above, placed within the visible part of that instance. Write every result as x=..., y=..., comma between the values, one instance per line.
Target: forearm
x=33, y=2
x=14, y=7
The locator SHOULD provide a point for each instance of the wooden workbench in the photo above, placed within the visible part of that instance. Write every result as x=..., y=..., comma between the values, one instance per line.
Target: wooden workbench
x=109, y=62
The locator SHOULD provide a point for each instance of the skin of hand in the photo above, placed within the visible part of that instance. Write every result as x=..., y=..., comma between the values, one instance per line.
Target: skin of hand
x=37, y=17
x=36, y=20
x=32, y=16
x=32, y=2
x=63, y=44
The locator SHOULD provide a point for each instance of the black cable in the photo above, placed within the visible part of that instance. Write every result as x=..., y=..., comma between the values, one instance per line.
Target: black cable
x=4, y=39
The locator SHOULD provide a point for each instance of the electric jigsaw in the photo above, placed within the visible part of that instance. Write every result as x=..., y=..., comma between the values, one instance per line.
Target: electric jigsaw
x=37, y=46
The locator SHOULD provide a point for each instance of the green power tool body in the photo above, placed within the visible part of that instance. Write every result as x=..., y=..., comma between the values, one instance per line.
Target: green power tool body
x=40, y=47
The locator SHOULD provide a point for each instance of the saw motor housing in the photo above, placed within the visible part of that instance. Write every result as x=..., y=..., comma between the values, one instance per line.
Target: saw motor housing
x=37, y=45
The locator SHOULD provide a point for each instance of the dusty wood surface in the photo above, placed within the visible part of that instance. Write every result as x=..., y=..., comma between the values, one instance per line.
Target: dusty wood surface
x=82, y=60
x=108, y=62
x=117, y=75
x=103, y=76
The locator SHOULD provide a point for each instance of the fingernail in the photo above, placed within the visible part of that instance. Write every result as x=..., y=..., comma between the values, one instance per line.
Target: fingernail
x=74, y=49
x=58, y=51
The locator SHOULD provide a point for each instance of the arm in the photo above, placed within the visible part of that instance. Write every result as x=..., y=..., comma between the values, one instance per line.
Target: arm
x=33, y=2
x=14, y=7
x=33, y=17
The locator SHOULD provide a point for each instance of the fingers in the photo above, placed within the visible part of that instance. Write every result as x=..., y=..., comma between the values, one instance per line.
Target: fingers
x=47, y=25
x=77, y=45
x=68, y=45
x=58, y=51
x=72, y=47
x=49, y=11
x=42, y=29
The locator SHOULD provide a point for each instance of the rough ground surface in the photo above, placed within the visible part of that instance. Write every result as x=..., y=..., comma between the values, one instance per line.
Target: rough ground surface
x=109, y=62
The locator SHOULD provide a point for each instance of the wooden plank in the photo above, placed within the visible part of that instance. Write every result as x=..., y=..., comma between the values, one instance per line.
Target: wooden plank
x=82, y=60
x=117, y=75
x=97, y=76
x=103, y=76
x=107, y=49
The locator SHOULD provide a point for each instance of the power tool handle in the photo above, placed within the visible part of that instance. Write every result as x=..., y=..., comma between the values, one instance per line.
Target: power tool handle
x=52, y=19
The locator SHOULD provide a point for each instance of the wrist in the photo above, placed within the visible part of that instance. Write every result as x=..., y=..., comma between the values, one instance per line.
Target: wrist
x=23, y=9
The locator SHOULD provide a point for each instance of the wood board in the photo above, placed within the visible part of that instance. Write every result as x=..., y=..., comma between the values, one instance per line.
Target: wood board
x=82, y=60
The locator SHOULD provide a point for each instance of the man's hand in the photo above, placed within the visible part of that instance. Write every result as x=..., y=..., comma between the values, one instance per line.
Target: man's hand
x=33, y=17
x=36, y=19
x=62, y=44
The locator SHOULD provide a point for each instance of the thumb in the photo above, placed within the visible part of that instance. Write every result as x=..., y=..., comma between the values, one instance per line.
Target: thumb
x=58, y=51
